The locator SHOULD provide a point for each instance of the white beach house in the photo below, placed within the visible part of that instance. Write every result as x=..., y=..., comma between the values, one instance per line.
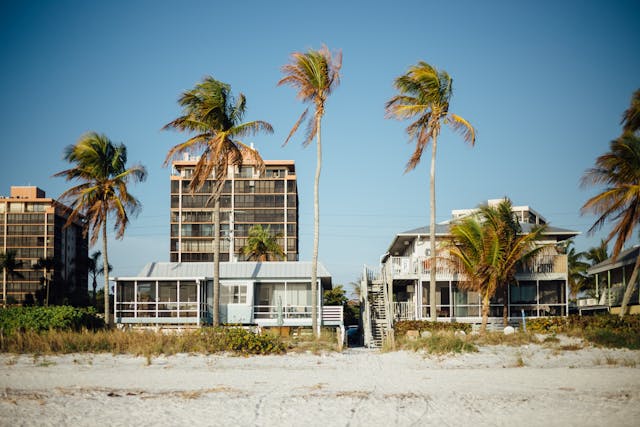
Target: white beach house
x=399, y=288
x=251, y=293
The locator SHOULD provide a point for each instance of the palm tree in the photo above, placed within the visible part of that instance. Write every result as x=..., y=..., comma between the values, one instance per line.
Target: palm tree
x=215, y=116
x=314, y=74
x=100, y=167
x=96, y=269
x=577, y=269
x=424, y=97
x=517, y=246
x=631, y=116
x=489, y=247
x=9, y=265
x=47, y=265
x=619, y=202
x=597, y=254
x=475, y=248
x=262, y=245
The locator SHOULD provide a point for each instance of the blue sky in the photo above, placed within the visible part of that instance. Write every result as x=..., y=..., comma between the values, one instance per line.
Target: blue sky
x=545, y=84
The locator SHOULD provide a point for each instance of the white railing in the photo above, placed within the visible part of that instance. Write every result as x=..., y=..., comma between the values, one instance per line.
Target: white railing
x=404, y=311
x=408, y=266
x=148, y=309
x=416, y=266
x=333, y=314
x=330, y=313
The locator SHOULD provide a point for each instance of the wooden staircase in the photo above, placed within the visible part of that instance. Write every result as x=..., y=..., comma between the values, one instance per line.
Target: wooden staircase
x=378, y=315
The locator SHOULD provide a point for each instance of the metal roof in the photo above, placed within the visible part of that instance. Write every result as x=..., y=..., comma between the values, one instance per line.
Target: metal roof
x=625, y=257
x=234, y=270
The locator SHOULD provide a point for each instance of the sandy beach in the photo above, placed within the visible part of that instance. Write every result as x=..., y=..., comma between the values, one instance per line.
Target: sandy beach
x=529, y=385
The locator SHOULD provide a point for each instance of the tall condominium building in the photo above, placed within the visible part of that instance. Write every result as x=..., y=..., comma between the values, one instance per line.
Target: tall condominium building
x=33, y=226
x=248, y=198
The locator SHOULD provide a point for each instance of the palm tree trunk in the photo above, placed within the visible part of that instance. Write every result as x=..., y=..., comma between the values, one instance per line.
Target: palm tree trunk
x=485, y=313
x=107, y=311
x=95, y=286
x=505, y=304
x=432, y=234
x=216, y=261
x=316, y=233
x=630, y=287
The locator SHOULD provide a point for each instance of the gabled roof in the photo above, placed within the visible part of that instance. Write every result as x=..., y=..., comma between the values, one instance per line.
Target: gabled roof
x=625, y=257
x=277, y=270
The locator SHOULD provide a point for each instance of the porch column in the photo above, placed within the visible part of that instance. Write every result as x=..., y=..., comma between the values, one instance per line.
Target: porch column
x=537, y=298
x=115, y=298
x=319, y=287
x=418, y=299
x=135, y=299
x=450, y=298
x=198, y=301
x=178, y=299
x=157, y=299
x=608, y=297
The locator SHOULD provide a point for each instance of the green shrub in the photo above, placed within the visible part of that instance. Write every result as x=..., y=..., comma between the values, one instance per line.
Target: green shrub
x=400, y=328
x=47, y=318
x=605, y=329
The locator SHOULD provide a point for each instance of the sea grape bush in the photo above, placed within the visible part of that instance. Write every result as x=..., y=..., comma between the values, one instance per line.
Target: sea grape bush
x=40, y=319
x=607, y=330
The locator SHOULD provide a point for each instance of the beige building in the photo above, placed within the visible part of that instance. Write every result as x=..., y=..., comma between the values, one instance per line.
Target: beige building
x=248, y=197
x=33, y=226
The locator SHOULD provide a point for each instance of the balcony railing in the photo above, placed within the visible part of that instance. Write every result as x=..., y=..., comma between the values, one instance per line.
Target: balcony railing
x=330, y=314
x=419, y=266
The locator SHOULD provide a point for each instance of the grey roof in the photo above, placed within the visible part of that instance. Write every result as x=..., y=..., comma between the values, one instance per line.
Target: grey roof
x=234, y=270
x=443, y=229
x=626, y=257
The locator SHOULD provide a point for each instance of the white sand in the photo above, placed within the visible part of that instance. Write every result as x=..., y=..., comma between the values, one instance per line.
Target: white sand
x=588, y=387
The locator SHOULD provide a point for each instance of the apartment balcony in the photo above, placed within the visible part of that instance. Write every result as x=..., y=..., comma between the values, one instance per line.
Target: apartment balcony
x=407, y=268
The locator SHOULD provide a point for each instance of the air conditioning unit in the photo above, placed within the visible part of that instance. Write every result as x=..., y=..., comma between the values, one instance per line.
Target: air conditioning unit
x=276, y=174
x=587, y=302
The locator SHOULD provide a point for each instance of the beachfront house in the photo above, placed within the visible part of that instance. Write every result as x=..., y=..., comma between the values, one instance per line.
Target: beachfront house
x=399, y=288
x=611, y=277
x=166, y=294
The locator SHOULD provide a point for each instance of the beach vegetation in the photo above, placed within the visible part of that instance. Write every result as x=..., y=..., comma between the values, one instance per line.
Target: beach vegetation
x=14, y=320
x=207, y=340
x=442, y=342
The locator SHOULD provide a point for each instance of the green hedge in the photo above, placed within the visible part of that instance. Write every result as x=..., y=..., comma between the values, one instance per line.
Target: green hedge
x=400, y=328
x=48, y=318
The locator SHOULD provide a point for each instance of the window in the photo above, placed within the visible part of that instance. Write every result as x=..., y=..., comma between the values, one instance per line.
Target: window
x=525, y=293
x=233, y=294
